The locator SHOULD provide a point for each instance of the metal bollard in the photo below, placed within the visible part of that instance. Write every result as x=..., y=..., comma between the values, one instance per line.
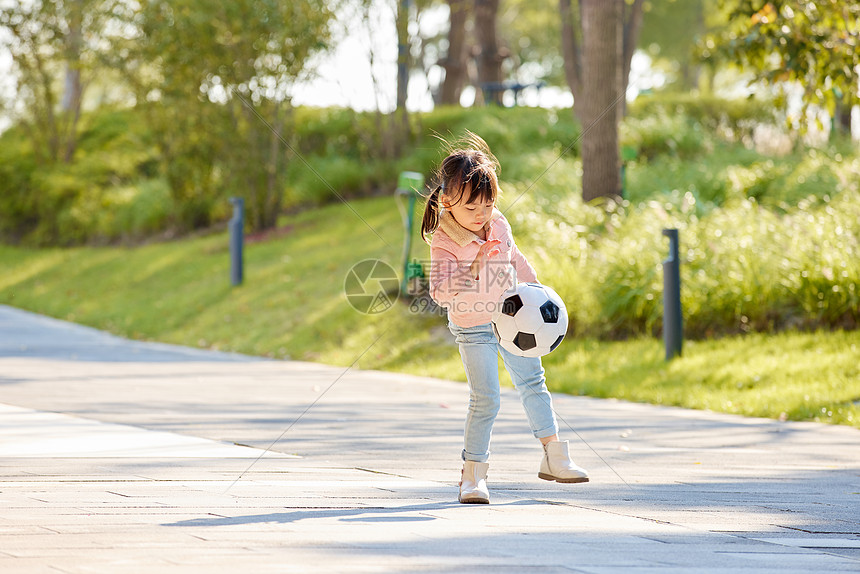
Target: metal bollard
x=237, y=240
x=673, y=329
x=409, y=183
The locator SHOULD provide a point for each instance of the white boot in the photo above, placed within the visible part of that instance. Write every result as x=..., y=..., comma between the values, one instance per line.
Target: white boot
x=556, y=464
x=473, y=485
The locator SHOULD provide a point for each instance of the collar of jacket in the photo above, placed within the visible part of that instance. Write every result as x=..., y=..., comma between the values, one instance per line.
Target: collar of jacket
x=460, y=234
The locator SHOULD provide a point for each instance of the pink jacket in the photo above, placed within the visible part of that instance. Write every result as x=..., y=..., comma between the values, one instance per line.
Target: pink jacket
x=452, y=251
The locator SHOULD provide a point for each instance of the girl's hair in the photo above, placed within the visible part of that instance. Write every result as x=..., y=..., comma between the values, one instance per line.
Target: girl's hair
x=469, y=164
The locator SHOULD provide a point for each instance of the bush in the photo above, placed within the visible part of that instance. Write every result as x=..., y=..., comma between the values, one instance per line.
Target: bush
x=124, y=213
x=662, y=133
x=732, y=172
x=18, y=204
x=334, y=177
x=509, y=132
x=63, y=204
x=744, y=267
x=733, y=120
x=335, y=132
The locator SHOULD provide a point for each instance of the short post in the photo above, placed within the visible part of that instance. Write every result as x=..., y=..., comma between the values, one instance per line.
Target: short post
x=237, y=240
x=409, y=183
x=673, y=330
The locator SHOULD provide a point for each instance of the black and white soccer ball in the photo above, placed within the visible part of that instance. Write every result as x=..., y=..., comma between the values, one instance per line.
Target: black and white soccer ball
x=530, y=320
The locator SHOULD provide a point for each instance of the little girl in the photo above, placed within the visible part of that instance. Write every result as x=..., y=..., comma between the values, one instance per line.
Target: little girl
x=471, y=252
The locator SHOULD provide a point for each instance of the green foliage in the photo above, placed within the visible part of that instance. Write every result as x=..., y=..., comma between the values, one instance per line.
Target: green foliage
x=811, y=44
x=44, y=39
x=672, y=26
x=333, y=175
x=660, y=133
x=734, y=172
x=84, y=200
x=745, y=267
x=514, y=130
x=133, y=212
x=337, y=145
x=18, y=210
x=531, y=32
x=731, y=120
x=331, y=131
x=219, y=75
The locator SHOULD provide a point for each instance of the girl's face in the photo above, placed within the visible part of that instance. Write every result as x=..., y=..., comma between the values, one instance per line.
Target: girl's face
x=472, y=216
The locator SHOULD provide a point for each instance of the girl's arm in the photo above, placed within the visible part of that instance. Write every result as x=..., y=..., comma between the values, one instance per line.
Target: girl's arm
x=525, y=272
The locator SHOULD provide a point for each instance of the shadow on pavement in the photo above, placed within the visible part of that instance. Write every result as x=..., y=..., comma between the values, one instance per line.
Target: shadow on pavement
x=376, y=514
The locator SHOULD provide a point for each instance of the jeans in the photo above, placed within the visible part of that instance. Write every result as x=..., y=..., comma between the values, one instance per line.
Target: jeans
x=479, y=350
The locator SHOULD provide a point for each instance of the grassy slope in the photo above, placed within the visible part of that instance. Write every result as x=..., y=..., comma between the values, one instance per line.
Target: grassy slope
x=292, y=306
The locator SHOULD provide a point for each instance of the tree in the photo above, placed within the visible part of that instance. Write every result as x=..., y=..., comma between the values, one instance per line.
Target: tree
x=489, y=41
x=599, y=107
x=598, y=40
x=454, y=62
x=402, y=21
x=674, y=27
x=217, y=78
x=426, y=40
x=531, y=35
x=814, y=45
x=47, y=41
x=489, y=54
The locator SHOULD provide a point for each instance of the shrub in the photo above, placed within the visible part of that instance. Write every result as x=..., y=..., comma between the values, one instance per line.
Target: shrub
x=744, y=267
x=61, y=203
x=18, y=202
x=732, y=172
x=734, y=119
x=663, y=133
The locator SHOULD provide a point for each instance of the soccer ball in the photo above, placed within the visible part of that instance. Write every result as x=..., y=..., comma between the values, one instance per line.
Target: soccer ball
x=530, y=320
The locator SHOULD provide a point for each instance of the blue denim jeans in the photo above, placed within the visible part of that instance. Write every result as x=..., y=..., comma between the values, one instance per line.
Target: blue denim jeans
x=479, y=350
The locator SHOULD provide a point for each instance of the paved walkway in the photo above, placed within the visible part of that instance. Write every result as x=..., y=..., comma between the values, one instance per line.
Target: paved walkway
x=120, y=456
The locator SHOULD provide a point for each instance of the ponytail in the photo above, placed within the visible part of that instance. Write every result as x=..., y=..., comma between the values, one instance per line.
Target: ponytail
x=431, y=215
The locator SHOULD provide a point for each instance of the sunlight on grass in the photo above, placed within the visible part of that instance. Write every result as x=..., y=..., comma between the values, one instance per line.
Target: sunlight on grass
x=801, y=376
x=18, y=270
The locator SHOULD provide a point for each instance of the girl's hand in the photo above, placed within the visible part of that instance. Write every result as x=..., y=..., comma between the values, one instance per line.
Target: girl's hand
x=486, y=251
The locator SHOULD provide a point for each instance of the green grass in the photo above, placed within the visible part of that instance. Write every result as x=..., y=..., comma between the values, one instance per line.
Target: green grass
x=797, y=376
x=292, y=306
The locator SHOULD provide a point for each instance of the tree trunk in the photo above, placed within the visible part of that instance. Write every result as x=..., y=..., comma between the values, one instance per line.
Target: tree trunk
x=73, y=92
x=455, y=62
x=489, y=56
x=41, y=125
x=601, y=97
x=570, y=49
x=842, y=117
x=402, y=65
